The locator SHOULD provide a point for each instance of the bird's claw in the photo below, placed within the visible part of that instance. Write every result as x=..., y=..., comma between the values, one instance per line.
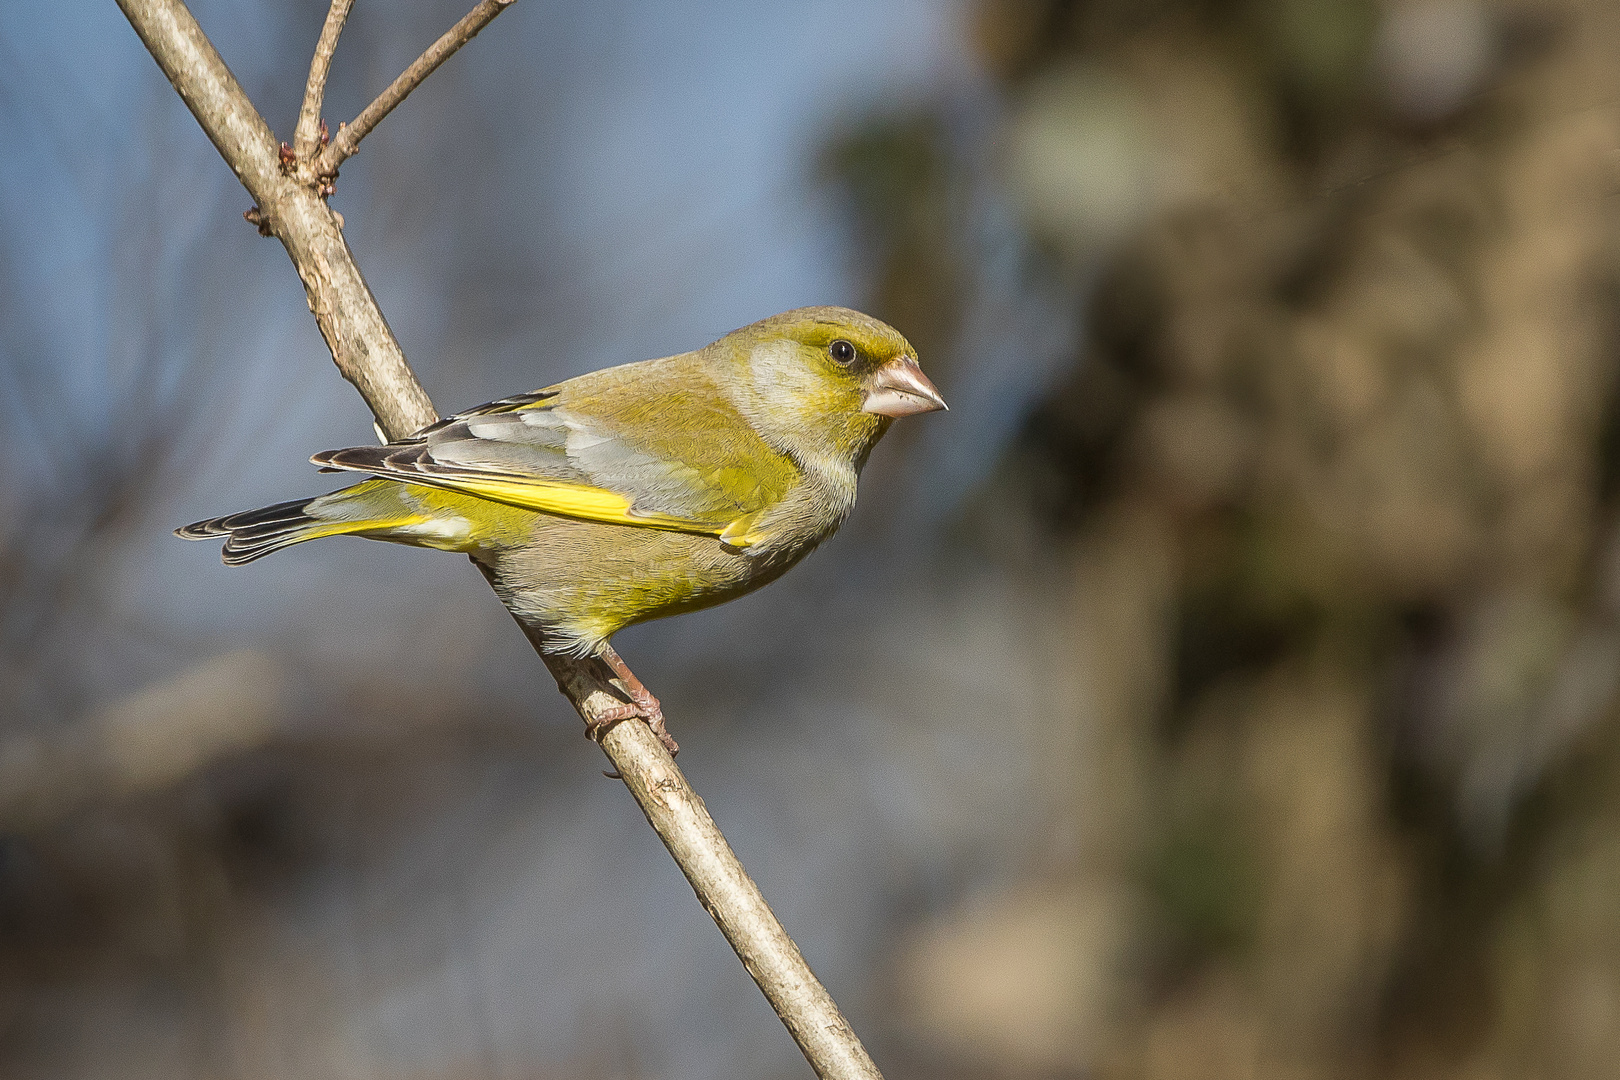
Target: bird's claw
x=648, y=711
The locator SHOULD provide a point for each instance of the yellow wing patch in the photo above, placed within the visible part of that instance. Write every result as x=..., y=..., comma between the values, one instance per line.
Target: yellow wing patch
x=592, y=504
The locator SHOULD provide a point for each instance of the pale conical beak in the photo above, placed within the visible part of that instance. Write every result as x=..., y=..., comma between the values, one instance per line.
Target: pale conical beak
x=899, y=388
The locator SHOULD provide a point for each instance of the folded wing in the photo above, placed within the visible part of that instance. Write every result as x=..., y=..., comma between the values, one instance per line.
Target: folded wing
x=539, y=452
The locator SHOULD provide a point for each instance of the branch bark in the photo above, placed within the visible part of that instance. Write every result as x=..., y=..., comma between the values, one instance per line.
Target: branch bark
x=367, y=354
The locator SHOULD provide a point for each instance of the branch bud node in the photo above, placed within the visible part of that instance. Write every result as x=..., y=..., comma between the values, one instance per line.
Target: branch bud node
x=258, y=219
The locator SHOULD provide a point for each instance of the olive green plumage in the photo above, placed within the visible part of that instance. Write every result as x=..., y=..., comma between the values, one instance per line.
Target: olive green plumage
x=637, y=491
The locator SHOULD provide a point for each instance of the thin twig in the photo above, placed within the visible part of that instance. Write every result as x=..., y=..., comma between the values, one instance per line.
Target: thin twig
x=347, y=139
x=307, y=135
x=368, y=355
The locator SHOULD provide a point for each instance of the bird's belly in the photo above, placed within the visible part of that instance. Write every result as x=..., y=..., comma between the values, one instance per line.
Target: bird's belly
x=579, y=582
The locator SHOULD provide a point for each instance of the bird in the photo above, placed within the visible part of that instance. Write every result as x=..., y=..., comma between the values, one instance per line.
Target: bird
x=630, y=493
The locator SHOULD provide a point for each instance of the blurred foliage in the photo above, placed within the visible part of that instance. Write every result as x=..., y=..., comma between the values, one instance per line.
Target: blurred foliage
x=1203, y=877
x=1347, y=275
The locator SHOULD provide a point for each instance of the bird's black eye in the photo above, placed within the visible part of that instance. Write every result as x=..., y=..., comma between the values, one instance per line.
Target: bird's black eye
x=842, y=352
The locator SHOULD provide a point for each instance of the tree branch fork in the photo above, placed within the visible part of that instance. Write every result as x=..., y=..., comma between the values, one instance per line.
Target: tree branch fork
x=315, y=155
x=289, y=185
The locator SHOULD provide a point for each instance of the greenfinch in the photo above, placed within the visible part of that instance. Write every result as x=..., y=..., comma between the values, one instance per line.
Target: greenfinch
x=634, y=492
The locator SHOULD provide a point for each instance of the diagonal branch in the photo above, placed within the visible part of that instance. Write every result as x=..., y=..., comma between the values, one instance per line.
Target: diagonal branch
x=307, y=135
x=347, y=139
x=366, y=352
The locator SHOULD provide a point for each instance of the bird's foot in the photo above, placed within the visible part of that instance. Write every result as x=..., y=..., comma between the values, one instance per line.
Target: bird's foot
x=648, y=711
x=642, y=705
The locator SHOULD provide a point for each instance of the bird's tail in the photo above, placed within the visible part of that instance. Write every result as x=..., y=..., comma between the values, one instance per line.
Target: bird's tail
x=374, y=508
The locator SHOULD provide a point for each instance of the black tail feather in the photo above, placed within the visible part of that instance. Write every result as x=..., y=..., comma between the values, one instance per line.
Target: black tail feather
x=253, y=534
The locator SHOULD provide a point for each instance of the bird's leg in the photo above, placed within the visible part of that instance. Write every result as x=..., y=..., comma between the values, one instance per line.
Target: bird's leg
x=642, y=703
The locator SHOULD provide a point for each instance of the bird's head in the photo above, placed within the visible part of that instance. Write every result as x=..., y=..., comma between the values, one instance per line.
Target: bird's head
x=825, y=380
